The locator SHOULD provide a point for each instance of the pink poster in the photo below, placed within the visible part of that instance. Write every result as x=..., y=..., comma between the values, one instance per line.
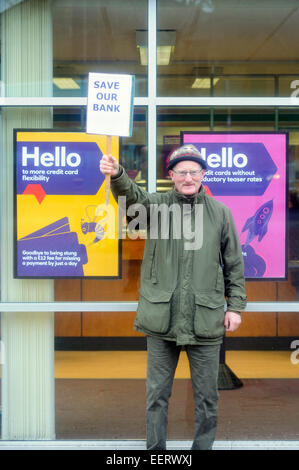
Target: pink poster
x=247, y=172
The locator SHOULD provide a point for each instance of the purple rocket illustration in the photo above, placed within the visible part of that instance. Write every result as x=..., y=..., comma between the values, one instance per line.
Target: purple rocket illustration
x=257, y=225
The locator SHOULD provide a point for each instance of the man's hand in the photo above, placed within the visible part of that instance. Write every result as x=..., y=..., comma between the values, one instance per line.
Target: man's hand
x=232, y=321
x=109, y=165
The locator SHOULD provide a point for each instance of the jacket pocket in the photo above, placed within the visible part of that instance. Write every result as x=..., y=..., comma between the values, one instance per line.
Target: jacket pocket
x=153, y=313
x=209, y=316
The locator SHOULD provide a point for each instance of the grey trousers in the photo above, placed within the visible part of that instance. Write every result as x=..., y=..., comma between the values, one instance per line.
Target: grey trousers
x=162, y=360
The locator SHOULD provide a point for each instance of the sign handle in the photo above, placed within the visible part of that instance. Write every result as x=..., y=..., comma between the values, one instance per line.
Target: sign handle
x=108, y=177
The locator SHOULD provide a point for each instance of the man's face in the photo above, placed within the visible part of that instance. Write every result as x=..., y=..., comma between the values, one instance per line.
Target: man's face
x=187, y=184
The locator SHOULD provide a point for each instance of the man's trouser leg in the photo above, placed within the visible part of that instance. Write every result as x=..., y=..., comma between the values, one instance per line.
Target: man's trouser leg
x=162, y=359
x=204, y=365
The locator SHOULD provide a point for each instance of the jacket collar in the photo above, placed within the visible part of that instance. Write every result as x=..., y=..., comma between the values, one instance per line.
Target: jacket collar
x=195, y=198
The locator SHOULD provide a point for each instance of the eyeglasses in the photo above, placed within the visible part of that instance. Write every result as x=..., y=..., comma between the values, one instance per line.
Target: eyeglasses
x=192, y=173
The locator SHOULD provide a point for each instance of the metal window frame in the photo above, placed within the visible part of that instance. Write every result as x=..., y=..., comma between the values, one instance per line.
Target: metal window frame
x=153, y=101
x=283, y=307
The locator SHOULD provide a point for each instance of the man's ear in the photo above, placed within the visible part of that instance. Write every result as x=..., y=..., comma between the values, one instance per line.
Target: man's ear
x=171, y=174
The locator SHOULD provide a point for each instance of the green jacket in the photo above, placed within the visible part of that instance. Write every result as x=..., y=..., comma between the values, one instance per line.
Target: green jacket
x=183, y=291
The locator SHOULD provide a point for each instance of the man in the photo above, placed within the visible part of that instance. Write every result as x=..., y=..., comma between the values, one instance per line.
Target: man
x=184, y=282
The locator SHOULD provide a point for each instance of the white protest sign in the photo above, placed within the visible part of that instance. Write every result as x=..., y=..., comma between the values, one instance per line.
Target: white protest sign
x=110, y=104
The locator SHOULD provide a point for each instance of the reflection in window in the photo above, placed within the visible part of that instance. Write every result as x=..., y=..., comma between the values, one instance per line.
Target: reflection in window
x=171, y=121
x=246, y=50
x=96, y=36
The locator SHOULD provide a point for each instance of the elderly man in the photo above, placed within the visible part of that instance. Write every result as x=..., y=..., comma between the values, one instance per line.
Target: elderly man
x=183, y=289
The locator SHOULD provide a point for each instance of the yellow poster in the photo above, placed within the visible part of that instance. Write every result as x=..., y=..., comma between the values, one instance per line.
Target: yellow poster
x=63, y=227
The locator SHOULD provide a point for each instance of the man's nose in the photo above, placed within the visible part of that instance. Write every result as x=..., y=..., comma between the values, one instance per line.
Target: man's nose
x=188, y=177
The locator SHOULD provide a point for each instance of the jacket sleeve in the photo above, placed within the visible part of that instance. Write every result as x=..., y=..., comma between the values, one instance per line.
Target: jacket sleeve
x=233, y=265
x=122, y=185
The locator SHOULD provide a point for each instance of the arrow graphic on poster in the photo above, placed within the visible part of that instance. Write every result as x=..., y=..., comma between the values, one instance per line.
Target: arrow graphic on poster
x=58, y=168
x=36, y=190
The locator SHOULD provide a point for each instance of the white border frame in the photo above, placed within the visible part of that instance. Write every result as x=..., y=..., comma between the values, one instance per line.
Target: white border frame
x=140, y=445
x=151, y=102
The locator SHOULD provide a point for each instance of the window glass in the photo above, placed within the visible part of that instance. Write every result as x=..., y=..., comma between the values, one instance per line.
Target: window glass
x=289, y=86
x=246, y=47
x=238, y=119
x=97, y=36
x=133, y=156
x=243, y=86
x=133, y=150
x=172, y=120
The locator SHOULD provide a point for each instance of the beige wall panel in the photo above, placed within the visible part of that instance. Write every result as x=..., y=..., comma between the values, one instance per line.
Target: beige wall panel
x=67, y=324
x=288, y=324
x=256, y=324
x=124, y=289
x=68, y=290
x=109, y=324
x=260, y=290
x=286, y=291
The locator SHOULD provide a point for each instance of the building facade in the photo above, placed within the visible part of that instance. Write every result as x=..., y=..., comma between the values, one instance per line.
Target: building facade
x=199, y=65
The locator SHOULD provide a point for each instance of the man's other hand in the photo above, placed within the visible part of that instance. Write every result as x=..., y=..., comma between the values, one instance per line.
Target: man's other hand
x=232, y=321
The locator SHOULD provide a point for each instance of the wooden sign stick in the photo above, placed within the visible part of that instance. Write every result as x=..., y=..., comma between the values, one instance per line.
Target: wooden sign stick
x=107, y=177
